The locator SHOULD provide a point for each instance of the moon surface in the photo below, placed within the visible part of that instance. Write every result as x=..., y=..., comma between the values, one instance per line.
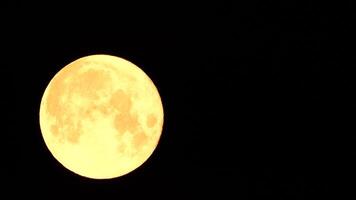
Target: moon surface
x=101, y=116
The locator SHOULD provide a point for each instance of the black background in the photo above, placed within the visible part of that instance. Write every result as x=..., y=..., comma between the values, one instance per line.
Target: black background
x=258, y=97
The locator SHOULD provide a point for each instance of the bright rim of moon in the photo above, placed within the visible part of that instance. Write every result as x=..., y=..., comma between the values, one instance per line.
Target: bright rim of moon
x=101, y=116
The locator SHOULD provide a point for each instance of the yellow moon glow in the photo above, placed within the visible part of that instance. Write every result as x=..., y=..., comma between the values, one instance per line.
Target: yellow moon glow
x=101, y=116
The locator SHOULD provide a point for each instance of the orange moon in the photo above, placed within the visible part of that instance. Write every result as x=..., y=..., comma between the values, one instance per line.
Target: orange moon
x=101, y=116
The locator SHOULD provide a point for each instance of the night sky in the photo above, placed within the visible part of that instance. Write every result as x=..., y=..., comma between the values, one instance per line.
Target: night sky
x=258, y=97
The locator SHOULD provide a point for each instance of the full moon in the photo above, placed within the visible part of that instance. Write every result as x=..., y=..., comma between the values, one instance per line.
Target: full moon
x=101, y=116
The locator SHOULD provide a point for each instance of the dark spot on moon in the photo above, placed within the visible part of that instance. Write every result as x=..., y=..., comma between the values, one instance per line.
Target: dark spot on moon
x=54, y=129
x=126, y=122
x=63, y=90
x=89, y=83
x=89, y=111
x=124, y=119
x=121, y=148
x=121, y=101
x=140, y=139
x=104, y=109
x=73, y=137
x=57, y=88
x=151, y=120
